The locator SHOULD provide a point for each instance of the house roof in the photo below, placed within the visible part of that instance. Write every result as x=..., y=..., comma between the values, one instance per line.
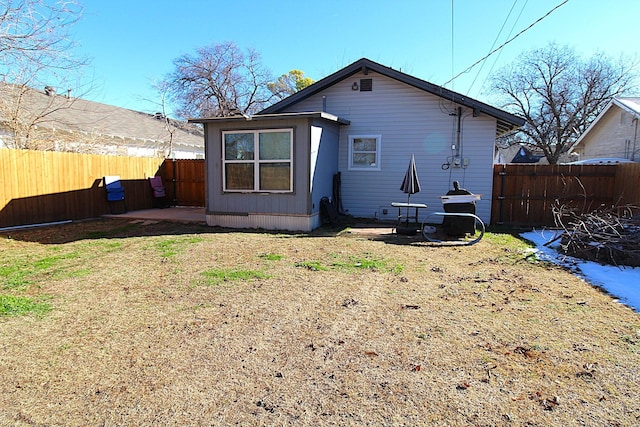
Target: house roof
x=628, y=104
x=524, y=155
x=506, y=122
x=66, y=113
x=631, y=104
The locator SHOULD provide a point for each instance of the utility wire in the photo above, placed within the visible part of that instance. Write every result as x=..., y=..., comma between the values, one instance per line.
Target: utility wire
x=505, y=43
x=495, y=61
x=452, y=45
x=493, y=45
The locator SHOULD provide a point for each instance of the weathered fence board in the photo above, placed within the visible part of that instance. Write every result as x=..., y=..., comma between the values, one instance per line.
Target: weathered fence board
x=524, y=195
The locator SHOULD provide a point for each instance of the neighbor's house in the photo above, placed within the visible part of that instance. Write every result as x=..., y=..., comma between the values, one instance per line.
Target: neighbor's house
x=519, y=153
x=59, y=122
x=363, y=122
x=613, y=134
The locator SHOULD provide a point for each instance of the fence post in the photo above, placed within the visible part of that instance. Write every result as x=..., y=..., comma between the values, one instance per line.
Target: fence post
x=501, y=197
x=175, y=185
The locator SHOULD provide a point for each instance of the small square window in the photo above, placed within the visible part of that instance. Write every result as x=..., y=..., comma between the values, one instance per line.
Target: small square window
x=364, y=152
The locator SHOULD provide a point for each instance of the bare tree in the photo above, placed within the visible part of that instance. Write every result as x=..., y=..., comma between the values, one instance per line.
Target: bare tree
x=35, y=39
x=559, y=94
x=36, y=50
x=162, y=88
x=290, y=83
x=219, y=80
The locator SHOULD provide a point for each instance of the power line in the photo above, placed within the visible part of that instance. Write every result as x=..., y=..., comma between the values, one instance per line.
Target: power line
x=497, y=58
x=505, y=43
x=452, y=44
x=493, y=45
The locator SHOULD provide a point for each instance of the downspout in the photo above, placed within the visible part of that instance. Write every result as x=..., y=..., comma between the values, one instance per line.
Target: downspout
x=458, y=139
x=635, y=139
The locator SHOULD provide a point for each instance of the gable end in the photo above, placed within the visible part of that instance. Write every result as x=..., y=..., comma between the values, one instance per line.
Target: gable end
x=506, y=122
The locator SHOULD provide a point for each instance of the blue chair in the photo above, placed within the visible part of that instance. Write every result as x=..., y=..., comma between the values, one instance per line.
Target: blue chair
x=115, y=192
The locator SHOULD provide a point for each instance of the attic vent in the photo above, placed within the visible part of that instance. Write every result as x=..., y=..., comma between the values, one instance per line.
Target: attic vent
x=366, y=85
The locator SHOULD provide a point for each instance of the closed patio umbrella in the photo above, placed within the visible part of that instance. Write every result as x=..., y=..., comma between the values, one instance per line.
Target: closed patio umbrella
x=411, y=183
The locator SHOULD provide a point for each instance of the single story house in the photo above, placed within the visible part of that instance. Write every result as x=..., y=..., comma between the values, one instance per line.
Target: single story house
x=613, y=134
x=361, y=124
x=60, y=122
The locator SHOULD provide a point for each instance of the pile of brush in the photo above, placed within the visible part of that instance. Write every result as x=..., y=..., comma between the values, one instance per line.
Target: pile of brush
x=608, y=236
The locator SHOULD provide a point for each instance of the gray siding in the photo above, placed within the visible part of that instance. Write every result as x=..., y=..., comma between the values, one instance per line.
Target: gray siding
x=295, y=203
x=411, y=121
x=305, y=199
x=326, y=161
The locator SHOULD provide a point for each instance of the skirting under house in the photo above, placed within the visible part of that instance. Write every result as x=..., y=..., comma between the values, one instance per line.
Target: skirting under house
x=289, y=222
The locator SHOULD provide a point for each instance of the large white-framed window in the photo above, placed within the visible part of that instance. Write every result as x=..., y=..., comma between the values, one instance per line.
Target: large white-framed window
x=258, y=160
x=364, y=152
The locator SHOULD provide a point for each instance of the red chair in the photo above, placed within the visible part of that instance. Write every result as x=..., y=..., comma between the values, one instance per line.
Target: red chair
x=158, y=191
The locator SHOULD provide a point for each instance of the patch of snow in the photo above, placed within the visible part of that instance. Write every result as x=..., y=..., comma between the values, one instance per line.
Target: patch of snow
x=621, y=282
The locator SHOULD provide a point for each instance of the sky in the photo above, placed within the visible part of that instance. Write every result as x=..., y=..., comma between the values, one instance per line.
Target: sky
x=132, y=43
x=621, y=283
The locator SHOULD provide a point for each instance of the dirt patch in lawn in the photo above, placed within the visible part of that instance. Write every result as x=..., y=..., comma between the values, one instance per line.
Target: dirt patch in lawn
x=177, y=324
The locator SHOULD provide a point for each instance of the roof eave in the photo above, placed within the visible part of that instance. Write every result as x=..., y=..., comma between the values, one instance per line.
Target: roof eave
x=277, y=116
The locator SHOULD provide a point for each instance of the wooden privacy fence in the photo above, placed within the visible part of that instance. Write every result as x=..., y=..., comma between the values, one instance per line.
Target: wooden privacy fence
x=524, y=195
x=44, y=186
x=184, y=181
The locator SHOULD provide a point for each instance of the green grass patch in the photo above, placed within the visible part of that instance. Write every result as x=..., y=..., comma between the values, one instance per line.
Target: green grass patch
x=173, y=246
x=19, y=306
x=167, y=248
x=109, y=245
x=367, y=263
x=271, y=257
x=217, y=276
x=353, y=264
x=14, y=277
x=507, y=240
x=516, y=249
x=21, y=272
x=49, y=262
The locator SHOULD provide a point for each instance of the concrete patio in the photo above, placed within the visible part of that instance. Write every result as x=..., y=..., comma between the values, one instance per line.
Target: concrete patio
x=187, y=214
x=196, y=215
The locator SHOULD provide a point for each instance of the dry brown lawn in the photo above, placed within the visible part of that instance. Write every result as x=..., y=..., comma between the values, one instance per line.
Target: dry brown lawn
x=174, y=324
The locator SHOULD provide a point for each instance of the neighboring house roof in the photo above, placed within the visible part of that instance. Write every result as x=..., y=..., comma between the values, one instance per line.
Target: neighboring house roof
x=524, y=155
x=61, y=112
x=518, y=153
x=506, y=122
x=629, y=104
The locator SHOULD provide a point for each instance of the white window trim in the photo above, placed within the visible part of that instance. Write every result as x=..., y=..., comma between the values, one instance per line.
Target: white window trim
x=377, y=166
x=256, y=161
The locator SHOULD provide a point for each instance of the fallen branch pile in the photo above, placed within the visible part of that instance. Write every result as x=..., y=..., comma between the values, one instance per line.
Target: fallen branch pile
x=608, y=236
